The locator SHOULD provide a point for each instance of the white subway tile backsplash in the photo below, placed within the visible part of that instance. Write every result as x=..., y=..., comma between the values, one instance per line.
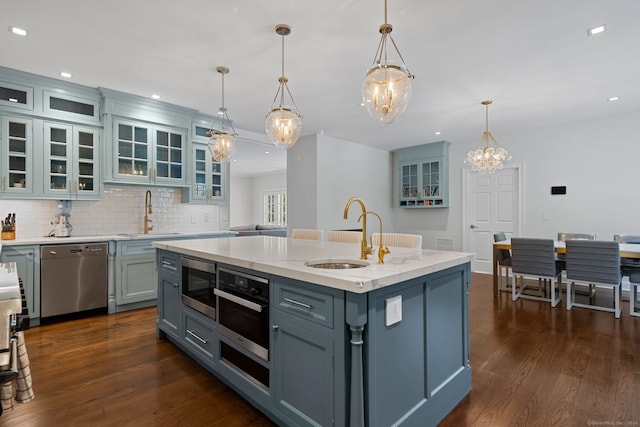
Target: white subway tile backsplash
x=121, y=210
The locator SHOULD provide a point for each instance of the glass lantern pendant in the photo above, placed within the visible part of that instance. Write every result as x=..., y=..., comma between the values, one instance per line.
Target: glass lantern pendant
x=283, y=123
x=222, y=144
x=386, y=89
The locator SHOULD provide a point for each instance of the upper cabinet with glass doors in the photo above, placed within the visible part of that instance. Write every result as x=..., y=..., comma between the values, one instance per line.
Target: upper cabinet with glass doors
x=17, y=156
x=71, y=167
x=149, y=154
x=147, y=140
x=424, y=175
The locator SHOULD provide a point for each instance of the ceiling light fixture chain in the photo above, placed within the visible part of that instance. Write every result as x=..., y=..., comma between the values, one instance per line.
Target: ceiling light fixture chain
x=283, y=124
x=222, y=143
x=489, y=155
x=386, y=89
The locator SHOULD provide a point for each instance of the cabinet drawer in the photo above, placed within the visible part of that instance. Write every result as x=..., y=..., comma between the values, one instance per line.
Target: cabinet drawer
x=168, y=263
x=199, y=334
x=137, y=247
x=305, y=302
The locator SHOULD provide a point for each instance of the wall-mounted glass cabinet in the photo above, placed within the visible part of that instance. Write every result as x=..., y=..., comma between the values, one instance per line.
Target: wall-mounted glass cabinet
x=424, y=175
x=17, y=156
x=208, y=178
x=148, y=154
x=72, y=165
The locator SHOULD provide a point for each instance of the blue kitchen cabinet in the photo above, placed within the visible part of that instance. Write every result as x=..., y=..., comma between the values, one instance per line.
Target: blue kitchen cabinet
x=136, y=281
x=169, y=293
x=209, y=178
x=200, y=336
x=17, y=162
x=423, y=175
x=27, y=259
x=145, y=153
x=72, y=165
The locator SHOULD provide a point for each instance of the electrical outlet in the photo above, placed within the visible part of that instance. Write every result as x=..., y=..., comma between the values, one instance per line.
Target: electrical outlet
x=206, y=217
x=193, y=219
x=393, y=310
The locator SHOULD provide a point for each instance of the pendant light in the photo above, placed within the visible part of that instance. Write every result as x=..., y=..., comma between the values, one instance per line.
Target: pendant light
x=222, y=144
x=386, y=89
x=489, y=155
x=283, y=123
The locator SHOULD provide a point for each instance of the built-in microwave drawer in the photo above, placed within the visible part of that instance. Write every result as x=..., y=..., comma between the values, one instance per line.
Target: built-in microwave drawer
x=199, y=333
x=302, y=301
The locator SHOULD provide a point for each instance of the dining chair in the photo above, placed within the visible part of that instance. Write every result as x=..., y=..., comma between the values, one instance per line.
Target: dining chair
x=634, y=282
x=504, y=261
x=596, y=264
x=628, y=265
x=400, y=240
x=535, y=258
x=306, y=233
x=344, y=236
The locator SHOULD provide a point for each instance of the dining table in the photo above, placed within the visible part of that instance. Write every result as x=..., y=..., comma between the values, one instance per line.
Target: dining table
x=627, y=250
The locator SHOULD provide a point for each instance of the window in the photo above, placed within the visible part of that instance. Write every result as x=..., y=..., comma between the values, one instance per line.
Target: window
x=274, y=207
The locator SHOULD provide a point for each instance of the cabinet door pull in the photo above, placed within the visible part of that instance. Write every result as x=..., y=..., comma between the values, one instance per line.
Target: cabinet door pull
x=193, y=334
x=169, y=265
x=298, y=303
x=274, y=327
x=175, y=285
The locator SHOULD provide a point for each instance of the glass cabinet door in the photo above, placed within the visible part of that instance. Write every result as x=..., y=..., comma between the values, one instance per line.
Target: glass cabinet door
x=207, y=176
x=17, y=155
x=200, y=185
x=216, y=180
x=133, y=150
x=409, y=176
x=86, y=162
x=168, y=155
x=58, y=149
x=71, y=162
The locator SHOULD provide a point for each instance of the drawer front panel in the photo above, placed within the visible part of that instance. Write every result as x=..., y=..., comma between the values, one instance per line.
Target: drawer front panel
x=306, y=303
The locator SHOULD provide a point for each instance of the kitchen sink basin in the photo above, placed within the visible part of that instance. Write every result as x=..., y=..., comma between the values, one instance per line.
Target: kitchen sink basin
x=336, y=264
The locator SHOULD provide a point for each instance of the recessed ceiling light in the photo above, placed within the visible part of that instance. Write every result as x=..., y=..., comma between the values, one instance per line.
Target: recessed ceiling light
x=19, y=31
x=266, y=152
x=614, y=98
x=596, y=30
x=437, y=132
x=154, y=96
x=65, y=75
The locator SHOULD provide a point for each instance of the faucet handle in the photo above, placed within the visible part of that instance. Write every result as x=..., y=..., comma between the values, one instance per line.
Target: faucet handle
x=382, y=251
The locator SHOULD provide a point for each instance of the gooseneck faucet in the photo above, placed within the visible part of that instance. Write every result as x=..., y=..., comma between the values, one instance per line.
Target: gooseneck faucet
x=148, y=209
x=364, y=248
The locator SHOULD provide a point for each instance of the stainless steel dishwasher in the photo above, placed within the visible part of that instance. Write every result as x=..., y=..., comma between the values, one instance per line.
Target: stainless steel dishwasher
x=73, y=278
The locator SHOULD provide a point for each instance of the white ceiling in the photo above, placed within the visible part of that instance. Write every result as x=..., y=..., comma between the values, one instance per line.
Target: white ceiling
x=532, y=58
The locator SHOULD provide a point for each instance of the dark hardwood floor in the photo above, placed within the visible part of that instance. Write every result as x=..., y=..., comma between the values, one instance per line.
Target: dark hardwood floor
x=532, y=365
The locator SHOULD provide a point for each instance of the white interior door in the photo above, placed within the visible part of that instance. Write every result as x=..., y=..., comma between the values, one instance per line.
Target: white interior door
x=492, y=205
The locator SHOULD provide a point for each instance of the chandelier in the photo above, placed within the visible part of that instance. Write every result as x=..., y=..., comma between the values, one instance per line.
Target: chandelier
x=386, y=89
x=222, y=144
x=489, y=155
x=283, y=124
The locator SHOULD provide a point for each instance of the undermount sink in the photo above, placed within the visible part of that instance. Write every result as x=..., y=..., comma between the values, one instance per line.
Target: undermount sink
x=336, y=264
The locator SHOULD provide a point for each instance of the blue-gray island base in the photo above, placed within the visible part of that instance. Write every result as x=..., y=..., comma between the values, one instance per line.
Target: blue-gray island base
x=394, y=355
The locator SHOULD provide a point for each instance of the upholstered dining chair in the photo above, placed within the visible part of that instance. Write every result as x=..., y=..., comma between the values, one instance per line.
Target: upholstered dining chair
x=535, y=258
x=504, y=261
x=306, y=233
x=628, y=265
x=595, y=263
x=401, y=240
x=344, y=236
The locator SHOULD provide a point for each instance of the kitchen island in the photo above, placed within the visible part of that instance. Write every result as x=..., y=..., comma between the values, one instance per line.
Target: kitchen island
x=379, y=345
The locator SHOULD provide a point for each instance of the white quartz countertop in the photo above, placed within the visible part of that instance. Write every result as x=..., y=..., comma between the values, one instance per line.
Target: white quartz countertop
x=286, y=257
x=108, y=237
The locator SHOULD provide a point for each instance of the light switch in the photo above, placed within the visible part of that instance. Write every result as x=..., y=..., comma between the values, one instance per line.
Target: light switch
x=393, y=310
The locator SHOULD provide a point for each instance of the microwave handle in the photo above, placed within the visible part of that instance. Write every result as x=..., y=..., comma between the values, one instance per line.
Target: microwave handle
x=241, y=301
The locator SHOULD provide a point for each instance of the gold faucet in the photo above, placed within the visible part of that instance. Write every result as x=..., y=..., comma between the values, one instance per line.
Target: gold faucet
x=382, y=250
x=364, y=248
x=148, y=209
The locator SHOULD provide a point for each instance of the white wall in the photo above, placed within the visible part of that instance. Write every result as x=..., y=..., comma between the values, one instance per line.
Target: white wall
x=246, y=196
x=323, y=172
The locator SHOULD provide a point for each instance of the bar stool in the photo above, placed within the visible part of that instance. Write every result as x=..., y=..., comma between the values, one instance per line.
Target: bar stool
x=400, y=240
x=306, y=233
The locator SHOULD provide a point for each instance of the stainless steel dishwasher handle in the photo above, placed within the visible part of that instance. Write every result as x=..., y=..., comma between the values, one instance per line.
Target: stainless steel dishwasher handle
x=240, y=301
